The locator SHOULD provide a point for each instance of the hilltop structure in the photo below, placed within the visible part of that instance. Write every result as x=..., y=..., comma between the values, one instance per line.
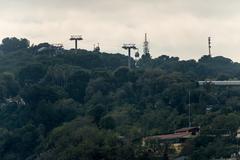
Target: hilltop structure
x=96, y=48
x=146, y=50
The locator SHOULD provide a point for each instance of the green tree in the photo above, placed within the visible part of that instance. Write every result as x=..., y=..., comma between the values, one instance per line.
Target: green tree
x=14, y=44
x=77, y=85
x=81, y=140
x=108, y=122
x=31, y=74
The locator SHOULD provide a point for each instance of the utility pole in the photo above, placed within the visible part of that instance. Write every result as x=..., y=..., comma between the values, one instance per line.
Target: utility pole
x=76, y=38
x=189, y=109
x=129, y=47
x=209, y=46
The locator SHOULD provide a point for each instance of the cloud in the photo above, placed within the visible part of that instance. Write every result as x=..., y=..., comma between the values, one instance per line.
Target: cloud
x=175, y=27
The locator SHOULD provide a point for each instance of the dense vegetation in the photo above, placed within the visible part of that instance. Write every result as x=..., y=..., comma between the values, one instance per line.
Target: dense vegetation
x=90, y=106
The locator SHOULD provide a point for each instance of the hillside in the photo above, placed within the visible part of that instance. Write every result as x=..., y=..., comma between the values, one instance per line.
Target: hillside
x=90, y=106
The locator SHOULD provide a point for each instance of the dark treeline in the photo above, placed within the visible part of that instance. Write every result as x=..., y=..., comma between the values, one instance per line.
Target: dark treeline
x=67, y=106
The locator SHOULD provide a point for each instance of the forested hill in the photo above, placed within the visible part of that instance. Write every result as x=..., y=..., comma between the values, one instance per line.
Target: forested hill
x=57, y=104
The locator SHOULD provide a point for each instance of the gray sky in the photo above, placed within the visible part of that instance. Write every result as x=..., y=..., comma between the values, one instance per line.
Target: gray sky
x=175, y=27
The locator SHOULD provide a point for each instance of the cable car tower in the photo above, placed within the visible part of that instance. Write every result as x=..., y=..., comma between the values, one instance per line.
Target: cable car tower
x=76, y=38
x=129, y=47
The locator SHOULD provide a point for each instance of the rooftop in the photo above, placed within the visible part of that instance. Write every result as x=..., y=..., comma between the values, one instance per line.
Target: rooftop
x=186, y=129
x=169, y=136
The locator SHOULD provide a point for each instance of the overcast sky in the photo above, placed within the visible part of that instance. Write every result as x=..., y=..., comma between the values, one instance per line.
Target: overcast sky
x=175, y=27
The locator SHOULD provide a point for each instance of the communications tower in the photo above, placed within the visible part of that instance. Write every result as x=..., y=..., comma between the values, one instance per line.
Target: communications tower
x=96, y=48
x=146, y=46
x=209, y=46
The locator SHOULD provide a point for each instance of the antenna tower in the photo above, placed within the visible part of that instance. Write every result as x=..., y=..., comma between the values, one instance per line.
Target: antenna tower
x=129, y=47
x=96, y=48
x=146, y=46
x=209, y=46
x=76, y=38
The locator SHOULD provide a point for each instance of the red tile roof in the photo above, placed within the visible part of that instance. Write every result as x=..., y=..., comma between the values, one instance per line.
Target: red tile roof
x=185, y=129
x=169, y=136
x=181, y=133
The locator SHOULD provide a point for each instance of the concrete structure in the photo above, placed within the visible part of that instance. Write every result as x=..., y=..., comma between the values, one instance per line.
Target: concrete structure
x=219, y=83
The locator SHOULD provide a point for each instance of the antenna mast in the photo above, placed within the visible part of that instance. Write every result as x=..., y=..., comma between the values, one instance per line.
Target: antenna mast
x=76, y=38
x=146, y=46
x=129, y=47
x=209, y=46
x=96, y=48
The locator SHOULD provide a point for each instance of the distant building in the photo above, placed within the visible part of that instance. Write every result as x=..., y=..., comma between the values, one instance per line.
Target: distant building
x=220, y=83
x=47, y=49
x=192, y=131
x=183, y=133
x=17, y=100
x=176, y=139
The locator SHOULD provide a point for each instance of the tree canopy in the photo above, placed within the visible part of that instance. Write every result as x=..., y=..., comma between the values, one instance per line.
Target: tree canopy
x=91, y=106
